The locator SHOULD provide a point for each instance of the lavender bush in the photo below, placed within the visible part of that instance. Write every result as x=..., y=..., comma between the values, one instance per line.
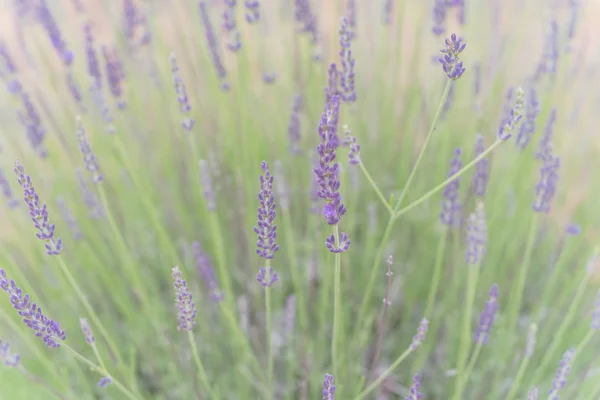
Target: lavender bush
x=226, y=190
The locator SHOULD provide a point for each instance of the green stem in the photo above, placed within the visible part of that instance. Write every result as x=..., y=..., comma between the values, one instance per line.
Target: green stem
x=201, y=372
x=520, y=373
x=437, y=273
x=384, y=375
x=39, y=381
x=269, y=328
x=336, y=335
x=374, y=186
x=464, y=379
x=466, y=335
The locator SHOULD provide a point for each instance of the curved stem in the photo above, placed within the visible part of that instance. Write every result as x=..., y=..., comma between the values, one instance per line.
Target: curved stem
x=462, y=380
x=374, y=186
x=336, y=335
x=269, y=332
x=384, y=375
x=201, y=371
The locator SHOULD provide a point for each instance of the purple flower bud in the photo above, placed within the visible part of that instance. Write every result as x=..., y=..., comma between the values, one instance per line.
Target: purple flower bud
x=596, y=313
x=87, y=331
x=387, y=12
x=294, y=126
x=341, y=247
x=207, y=273
x=550, y=57
x=75, y=92
x=329, y=387
x=420, y=336
x=347, y=84
x=572, y=229
x=269, y=77
x=476, y=236
x=32, y=123
x=230, y=27
x=266, y=279
x=114, y=73
x=39, y=214
x=89, y=159
x=528, y=126
x=137, y=30
x=32, y=314
x=451, y=64
x=545, y=144
x=185, y=303
x=104, y=382
x=533, y=394
x=546, y=187
x=439, y=17
x=182, y=97
x=92, y=59
x=486, y=318
x=252, y=11
x=415, y=389
x=308, y=22
x=351, y=16
x=265, y=229
x=9, y=359
x=332, y=87
x=451, y=208
x=351, y=141
x=49, y=23
x=560, y=379
x=513, y=117
x=212, y=44
x=482, y=169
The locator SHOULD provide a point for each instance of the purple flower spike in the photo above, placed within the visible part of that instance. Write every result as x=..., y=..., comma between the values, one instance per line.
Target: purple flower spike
x=75, y=92
x=528, y=126
x=39, y=214
x=92, y=59
x=32, y=123
x=87, y=331
x=533, y=394
x=415, y=389
x=252, y=11
x=69, y=218
x=230, y=27
x=482, y=169
x=89, y=159
x=294, y=126
x=207, y=273
x=343, y=245
x=347, y=83
x=328, y=170
x=329, y=387
x=32, y=314
x=387, y=12
x=104, y=382
x=9, y=359
x=514, y=116
x=184, y=302
x=440, y=10
x=352, y=143
x=560, y=379
x=332, y=87
x=451, y=208
x=49, y=23
x=182, y=97
x=265, y=229
x=546, y=187
x=7, y=191
x=6, y=64
x=212, y=44
x=420, y=336
x=476, y=236
x=267, y=279
x=114, y=73
x=545, y=144
x=451, y=64
x=486, y=319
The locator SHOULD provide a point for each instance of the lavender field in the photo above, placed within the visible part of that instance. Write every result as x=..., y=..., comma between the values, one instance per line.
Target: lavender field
x=299, y=199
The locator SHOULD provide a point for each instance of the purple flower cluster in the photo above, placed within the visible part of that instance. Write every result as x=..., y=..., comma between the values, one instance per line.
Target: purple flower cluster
x=211, y=40
x=533, y=394
x=32, y=314
x=92, y=58
x=207, y=273
x=7, y=64
x=528, y=126
x=75, y=92
x=560, y=379
x=329, y=387
x=134, y=22
x=415, y=389
x=546, y=187
x=294, y=126
x=476, y=236
x=451, y=64
x=89, y=159
x=440, y=10
x=341, y=246
x=104, y=382
x=351, y=16
x=347, y=76
x=252, y=11
x=267, y=277
x=182, y=96
x=487, y=316
x=352, y=143
x=420, y=336
x=545, y=144
x=49, y=23
x=32, y=123
x=514, y=115
x=7, y=191
x=115, y=74
x=87, y=331
x=307, y=19
x=9, y=359
x=230, y=26
x=265, y=229
x=332, y=86
x=451, y=208
x=185, y=304
x=387, y=12
x=39, y=214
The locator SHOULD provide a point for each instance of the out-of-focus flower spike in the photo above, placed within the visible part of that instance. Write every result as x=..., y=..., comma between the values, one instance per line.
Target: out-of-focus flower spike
x=451, y=64
x=596, y=313
x=49, y=23
x=87, y=331
x=93, y=65
x=207, y=186
x=212, y=44
x=482, y=169
x=545, y=144
x=69, y=218
x=347, y=77
x=182, y=96
x=11, y=200
x=515, y=115
x=7, y=357
x=560, y=379
x=267, y=277
x=528, y=126
x=486, y=319
x=184, y=301
x=266, y=230
x=89, y=159
x=476, y=236
x=451, y=208
x=546, y=187
x=419, y=338
x=415, y=389
x=252, y=11
x=294, y=129
x=207, y=273
x=114, y=73
x=329, y=387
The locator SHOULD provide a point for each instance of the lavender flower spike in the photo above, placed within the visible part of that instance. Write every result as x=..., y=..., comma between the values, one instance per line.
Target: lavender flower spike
x=89, y=159
x=185, y=303
x=87, y=331
x=207, y=273
x=451, y=64
x=545, y=143
x=212, y=44
x=93, y=64
x=104, y=382
x=482, y=169
x=9, y=359
x=515, y=115
x=39, y=214
x=230, y=26
x=49, y=23
x=533, y=394
x=294, y=126
x=560, y=379
x=415, y=389
x=352, y=143
x=486, y=319
x=114, y=73
x=267, y=277
x=347, y=83
x=451, y=208
x=546, y=187
x=265, y=229
x=252, y=11
x=182, y=97
x=7, y=191
x=528, y=126
x=32, y=314
x=476, y=236
x=420, y=336
x=329, y=387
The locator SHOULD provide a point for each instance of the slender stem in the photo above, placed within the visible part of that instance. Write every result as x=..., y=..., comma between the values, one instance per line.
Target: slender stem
x=381, y=328
x=335, y=337
x=413, y=172
x=100, y=371
x=384, y=375
x=518, y=378
x=437, y=273
x=201, y=371
x=463, y=379
x=466, y=338
x=442, y=185
x=269, y=328
x=374, y=186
